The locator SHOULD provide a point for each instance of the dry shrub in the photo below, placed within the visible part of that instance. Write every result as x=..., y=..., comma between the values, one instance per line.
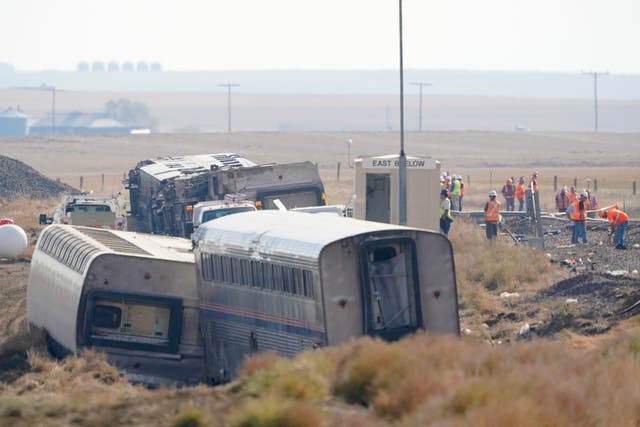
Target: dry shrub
x=257, y=362
x=299, y=378
x=189, y=417
x=14, y=359
x=272, y=411
x=371, y=367
x=498, y=264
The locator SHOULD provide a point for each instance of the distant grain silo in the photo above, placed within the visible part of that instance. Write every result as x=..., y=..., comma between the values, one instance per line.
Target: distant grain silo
x=128, y=66
x=142, y=67
x=97, y=66
x=83, y=66
x=156, y=66
x=113, y=66
x=13, y=122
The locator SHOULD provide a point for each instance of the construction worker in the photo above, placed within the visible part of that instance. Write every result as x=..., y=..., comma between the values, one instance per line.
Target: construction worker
x=577, y=212
x=492, y=215
x=618, y=222
x=509, y=194
x=454, y=193
x=593, y=204
x=520, y=193
x=461, y=191
x=562, y=200
x=573, y=195
x=445, y=212
x=533, y=182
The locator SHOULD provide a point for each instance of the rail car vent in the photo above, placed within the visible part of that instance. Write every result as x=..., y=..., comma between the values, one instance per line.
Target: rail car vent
x=113, y=242
x=228, y=160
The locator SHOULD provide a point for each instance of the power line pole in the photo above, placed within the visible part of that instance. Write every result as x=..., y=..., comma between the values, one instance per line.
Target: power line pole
x=229, y=86
x=595, y=95
x=402, y=166
x=420, y=84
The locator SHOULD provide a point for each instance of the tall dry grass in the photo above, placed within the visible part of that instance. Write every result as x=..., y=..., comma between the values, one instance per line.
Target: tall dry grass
x=484, y=268
x=434, y=380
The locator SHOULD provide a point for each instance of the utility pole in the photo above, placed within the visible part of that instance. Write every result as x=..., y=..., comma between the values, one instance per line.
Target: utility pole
x=402, y=166
x=229, y=86
x=595, y=95
x=420, y=84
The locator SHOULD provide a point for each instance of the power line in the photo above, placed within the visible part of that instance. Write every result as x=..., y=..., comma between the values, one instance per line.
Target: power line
x=421, y=85
x=229, y=86
x=595, y=95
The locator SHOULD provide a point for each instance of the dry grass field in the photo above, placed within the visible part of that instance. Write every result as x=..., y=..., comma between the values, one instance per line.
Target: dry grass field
x=568, y=379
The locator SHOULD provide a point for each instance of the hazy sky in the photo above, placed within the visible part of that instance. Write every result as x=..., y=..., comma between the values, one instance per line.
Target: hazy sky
x=526, y=35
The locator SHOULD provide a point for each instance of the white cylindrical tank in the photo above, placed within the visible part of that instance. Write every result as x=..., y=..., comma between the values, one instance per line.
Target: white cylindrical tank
x=13, y=241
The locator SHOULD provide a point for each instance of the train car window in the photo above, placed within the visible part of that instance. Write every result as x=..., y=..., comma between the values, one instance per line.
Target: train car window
x=245, y=264
x=217, y=268
x=308, y=284
x=106, y=316
x=267, y=274
x=277, y=277
x=256, y=269
x=291, y=200
x=298, y=282
x=227, y=269
x=391, y=286
x=237, y=271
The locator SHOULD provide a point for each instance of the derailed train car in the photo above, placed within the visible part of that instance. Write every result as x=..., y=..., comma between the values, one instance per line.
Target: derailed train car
x=289, y=281
x=131, y=296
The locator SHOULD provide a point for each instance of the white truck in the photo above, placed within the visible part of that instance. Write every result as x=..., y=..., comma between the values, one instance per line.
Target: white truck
x=90, y=211
x=213, y=209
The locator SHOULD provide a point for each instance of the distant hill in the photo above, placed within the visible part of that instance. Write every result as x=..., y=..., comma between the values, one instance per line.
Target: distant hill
x=336, y=82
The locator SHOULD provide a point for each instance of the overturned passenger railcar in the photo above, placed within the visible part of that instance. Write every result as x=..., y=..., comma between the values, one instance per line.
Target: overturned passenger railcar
x=289, y=281
x=132, y=296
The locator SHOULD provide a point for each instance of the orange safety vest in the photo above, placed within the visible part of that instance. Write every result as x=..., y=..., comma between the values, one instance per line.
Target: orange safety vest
x=461, y=188
x=520, y=191
x=573, y=196
x=535, y=185
x=492, y=211
x=576, y=213
x=616, y=216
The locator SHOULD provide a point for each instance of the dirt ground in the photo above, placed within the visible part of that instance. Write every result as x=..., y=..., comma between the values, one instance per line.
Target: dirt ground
x=602, y=288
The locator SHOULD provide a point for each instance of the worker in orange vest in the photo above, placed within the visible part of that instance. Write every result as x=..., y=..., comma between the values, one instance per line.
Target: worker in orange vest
x=492, y=215
x=520, y=193
x=562, y=200
x=577, y=212
x=618, y=222
x=573, y=195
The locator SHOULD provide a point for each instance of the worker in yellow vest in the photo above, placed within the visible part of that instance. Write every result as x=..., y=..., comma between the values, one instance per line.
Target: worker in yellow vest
x=445, y=212
x=492, y=215
x=454, y=193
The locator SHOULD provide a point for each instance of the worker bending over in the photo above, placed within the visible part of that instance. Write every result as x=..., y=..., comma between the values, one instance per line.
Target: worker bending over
x=618, y=222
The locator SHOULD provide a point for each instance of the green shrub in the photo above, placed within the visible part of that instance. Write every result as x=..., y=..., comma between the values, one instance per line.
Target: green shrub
x=274, y=412
x=189, y=417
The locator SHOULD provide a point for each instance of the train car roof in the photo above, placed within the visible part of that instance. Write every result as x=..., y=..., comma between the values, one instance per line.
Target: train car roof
x=185, y=166
x=126, y=243
x=299, y=233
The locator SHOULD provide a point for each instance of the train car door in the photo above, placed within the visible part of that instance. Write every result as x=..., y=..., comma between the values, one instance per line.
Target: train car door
x=391, y=288
x=378, y=201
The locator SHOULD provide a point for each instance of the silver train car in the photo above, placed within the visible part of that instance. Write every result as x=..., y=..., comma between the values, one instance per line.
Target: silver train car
x=290, y=281
x=131, y=296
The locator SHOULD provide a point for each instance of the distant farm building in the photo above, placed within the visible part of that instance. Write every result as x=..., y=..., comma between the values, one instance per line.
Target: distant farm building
x=13, y=122
x=77, y=123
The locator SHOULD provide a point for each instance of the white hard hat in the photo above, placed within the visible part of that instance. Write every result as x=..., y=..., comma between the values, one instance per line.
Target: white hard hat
x=584, y=193
x=493, y=193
